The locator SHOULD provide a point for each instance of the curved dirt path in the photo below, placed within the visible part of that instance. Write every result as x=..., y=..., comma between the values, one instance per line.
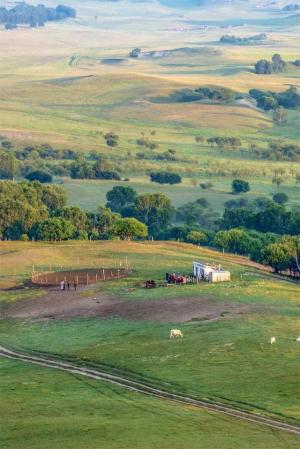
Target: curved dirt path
x=146, y=389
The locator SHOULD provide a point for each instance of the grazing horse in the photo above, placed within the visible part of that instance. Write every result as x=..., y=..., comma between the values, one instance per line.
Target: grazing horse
x=176, y=333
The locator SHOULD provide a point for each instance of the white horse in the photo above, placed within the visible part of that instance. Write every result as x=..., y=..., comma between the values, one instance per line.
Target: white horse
x=176, y=333
x=273, y=340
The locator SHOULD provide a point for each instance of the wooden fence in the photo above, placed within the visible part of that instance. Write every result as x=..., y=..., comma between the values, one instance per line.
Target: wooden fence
x=80, y=277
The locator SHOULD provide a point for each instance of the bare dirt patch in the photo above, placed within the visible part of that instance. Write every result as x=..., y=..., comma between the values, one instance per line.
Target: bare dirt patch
x=85, y=303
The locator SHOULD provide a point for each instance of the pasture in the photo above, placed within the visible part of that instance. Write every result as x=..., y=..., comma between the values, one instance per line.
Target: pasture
x=70, y=411
x=225, y=354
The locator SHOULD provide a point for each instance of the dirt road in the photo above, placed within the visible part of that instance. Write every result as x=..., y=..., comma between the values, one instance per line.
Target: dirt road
x=146, y=389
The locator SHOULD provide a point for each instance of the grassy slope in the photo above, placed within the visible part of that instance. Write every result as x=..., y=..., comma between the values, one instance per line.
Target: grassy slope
x=228, y=359
x=73, y=412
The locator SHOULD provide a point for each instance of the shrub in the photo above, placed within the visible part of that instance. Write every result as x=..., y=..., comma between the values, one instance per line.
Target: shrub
x=280, y=198
x=39, y=175
x=240, y=186
x=165, y=178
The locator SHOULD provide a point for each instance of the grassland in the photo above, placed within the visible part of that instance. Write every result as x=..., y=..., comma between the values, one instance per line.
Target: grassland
x=71, y=412
x=229, y=359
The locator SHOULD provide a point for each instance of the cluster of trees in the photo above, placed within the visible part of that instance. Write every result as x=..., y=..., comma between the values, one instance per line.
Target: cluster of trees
x=278, y=151
x=225, y=142
x=33, y=16
x=101, y=169
x=265, y=67
x=211, y=94
x=282, y=253
x=198, y=215
x=265, y=230
x=30, y=210
x=236, y=40
x=165, y=177
x=289, y=99
x=273, y=217
x=215, y=94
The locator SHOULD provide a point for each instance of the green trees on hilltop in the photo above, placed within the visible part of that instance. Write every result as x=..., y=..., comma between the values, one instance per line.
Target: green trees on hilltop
x=265, y=67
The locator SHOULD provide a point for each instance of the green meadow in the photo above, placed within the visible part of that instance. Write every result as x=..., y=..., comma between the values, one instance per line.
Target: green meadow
x=72, y=412
x=228, y=359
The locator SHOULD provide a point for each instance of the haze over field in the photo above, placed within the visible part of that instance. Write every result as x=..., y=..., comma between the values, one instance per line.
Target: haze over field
x=137, y=137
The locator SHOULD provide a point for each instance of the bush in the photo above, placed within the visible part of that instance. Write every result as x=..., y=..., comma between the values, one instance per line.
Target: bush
x=280, y=198
x=165, y=178
x=24, y=238
x=240, y=186
x=39, y=175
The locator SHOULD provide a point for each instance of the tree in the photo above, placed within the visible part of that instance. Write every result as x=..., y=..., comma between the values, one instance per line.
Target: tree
x=135, y=53
x=165, y=178
x=280, y=198
x=280, y=115
x=53, y=229
x=196, y=237
x=234, y=240
x=119, y=197
x=278, y=180
x=277, y=255
x=39, y=175
x=129, y=228
x=240, y=186
x=112, y=139
x=9, y=166
x=200, y=139
x=53, y=197
x=155, y=210
x=75, y=216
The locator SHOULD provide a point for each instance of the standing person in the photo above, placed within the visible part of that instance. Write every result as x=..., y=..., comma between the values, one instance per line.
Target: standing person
x=62, y=284
x=75, y=286
x=68, y=285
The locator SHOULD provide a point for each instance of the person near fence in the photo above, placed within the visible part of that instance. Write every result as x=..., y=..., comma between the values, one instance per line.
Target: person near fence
x=62, y=285
x=75, y=286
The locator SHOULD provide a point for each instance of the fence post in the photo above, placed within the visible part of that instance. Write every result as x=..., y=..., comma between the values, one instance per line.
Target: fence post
x=87, y=279
x=96, y=278
x=103, y=274
x=118, y=273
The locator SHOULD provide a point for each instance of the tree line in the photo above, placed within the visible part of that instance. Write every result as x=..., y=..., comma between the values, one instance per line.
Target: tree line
x=266, y=231
x=33, y=16
x=237, y=40
x=267, y=100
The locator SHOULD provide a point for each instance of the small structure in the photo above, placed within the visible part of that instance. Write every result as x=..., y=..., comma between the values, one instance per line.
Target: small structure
x=210, y=273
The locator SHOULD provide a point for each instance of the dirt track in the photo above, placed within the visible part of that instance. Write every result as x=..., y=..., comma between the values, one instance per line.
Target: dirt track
x=58, y=304
x=146, y=389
